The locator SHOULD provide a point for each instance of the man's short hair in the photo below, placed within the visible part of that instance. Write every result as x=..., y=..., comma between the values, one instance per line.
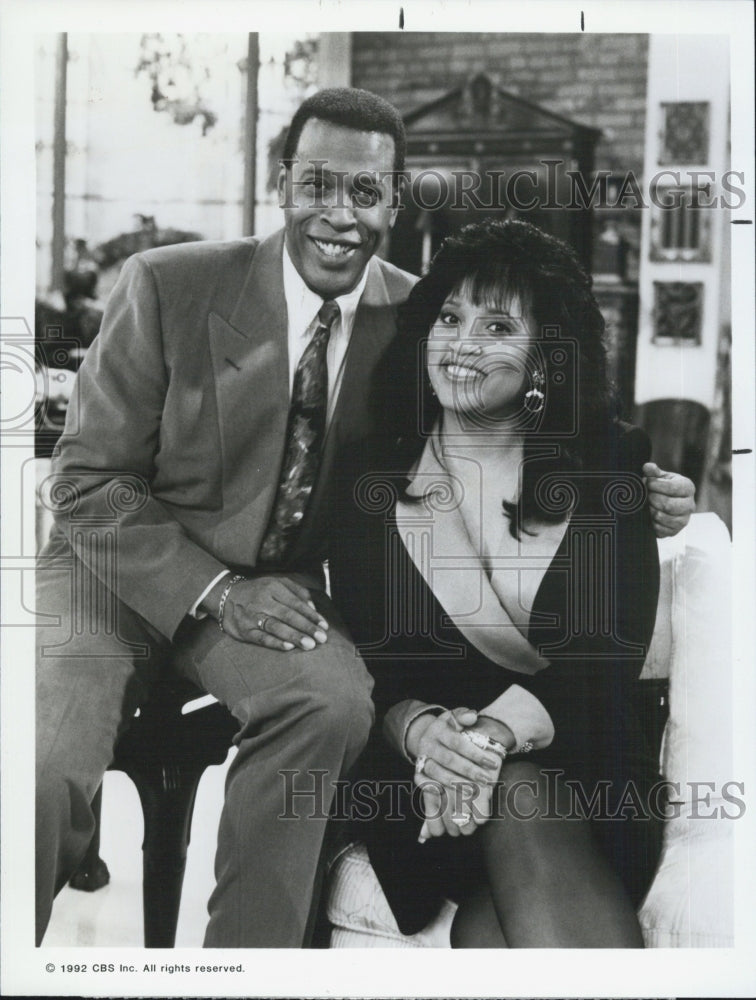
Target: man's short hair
x=351, y=108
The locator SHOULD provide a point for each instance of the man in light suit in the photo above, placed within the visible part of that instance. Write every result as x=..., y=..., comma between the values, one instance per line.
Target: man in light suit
x=176, y=439
x=168, y=483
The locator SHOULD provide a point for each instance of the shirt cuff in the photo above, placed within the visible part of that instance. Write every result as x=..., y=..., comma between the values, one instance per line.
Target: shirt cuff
x=195, y=611
x=525, y=716
x=400, y=717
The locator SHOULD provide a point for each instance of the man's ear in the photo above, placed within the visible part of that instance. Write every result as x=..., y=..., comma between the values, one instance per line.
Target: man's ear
x=398, y=191
x=285, y=187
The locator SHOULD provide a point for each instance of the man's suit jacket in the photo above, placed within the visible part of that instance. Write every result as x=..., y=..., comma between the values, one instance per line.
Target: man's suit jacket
x=176, y=430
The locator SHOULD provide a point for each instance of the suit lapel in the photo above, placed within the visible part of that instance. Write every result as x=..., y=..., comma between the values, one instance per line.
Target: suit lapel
x=250, y=365
x=260, y=309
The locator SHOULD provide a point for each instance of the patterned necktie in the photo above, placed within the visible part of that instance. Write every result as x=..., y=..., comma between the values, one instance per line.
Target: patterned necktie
x=304, y=440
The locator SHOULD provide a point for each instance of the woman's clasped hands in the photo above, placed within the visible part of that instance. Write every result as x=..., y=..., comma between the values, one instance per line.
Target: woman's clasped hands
x=456, y=777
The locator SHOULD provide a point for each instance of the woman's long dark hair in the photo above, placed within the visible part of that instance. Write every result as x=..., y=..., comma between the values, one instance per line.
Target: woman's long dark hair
x=494, y=261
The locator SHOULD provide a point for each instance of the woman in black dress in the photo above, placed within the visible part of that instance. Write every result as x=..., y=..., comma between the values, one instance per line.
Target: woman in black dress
x=494, y=559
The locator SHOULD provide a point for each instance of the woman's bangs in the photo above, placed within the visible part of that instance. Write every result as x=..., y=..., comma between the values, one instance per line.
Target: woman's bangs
x=493, y=288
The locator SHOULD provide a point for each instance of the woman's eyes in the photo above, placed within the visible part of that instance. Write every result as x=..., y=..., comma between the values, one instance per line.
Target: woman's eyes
x=492, y=327
x=496, y=326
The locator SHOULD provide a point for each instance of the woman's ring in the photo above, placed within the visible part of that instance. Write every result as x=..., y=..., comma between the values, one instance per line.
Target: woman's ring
x=262, y=622
x=460, y=819
x=420, y=763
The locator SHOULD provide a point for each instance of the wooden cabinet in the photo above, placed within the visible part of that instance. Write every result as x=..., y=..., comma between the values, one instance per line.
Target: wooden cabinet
x=480, y=151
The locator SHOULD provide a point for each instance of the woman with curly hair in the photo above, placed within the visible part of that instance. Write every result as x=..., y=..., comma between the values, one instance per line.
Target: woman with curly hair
x=496, y=564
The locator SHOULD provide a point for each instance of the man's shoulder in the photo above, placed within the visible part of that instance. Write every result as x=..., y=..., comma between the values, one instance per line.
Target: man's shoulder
x=398, y=283
x=210, y=267
x=201, y=254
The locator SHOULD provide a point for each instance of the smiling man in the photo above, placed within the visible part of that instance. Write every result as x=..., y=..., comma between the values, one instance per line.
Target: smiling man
x=221, y=385
x=336, y=211
x=193, y=482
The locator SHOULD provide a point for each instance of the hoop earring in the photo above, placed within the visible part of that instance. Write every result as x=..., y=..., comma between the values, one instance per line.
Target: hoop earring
x=534, y=398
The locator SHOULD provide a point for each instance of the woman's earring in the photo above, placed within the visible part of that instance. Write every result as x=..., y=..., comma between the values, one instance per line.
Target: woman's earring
x=534, y=399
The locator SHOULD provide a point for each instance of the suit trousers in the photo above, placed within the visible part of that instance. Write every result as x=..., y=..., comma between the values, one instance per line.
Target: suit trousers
x=304, y=718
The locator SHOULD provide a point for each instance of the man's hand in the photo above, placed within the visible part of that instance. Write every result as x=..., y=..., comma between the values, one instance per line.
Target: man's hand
x=671, y=499
x=271, y=611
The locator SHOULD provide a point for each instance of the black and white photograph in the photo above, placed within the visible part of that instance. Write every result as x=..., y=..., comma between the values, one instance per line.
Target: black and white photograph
x=377, y=498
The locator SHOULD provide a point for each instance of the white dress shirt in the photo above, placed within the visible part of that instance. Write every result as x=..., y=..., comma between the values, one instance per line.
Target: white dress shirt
x=302, y=308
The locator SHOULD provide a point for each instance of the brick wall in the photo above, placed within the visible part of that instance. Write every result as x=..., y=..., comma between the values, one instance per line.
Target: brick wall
x=597, y=80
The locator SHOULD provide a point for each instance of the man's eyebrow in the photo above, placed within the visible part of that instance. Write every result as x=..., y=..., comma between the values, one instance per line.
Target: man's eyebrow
x=318, y=169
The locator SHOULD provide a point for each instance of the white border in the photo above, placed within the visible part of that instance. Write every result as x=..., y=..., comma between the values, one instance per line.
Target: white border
x=359, y=973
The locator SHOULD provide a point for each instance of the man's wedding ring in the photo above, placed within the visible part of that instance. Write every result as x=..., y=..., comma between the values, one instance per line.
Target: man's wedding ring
x=420, y=763
x=262, y=621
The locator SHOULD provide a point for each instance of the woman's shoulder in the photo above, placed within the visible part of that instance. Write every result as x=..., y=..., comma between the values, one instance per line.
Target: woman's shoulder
x=623, y=448
x=374, y=452
x=633, y=447
x=614, y=461
x=372, y=464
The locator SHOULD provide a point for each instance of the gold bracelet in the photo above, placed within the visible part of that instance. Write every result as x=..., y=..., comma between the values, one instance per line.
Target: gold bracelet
x=485, y=742
x=525, y=747
x=224, y=595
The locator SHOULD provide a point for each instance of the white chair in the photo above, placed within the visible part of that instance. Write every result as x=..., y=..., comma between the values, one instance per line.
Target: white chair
x=690, y=902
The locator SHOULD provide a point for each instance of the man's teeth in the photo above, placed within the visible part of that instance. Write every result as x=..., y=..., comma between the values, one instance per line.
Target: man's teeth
x=334, y=249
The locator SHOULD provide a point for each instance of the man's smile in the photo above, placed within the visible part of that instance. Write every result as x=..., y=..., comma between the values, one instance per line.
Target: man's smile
x=335, y=248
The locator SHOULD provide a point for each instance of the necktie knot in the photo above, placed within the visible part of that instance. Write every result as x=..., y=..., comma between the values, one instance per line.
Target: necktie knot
x=328, y=313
